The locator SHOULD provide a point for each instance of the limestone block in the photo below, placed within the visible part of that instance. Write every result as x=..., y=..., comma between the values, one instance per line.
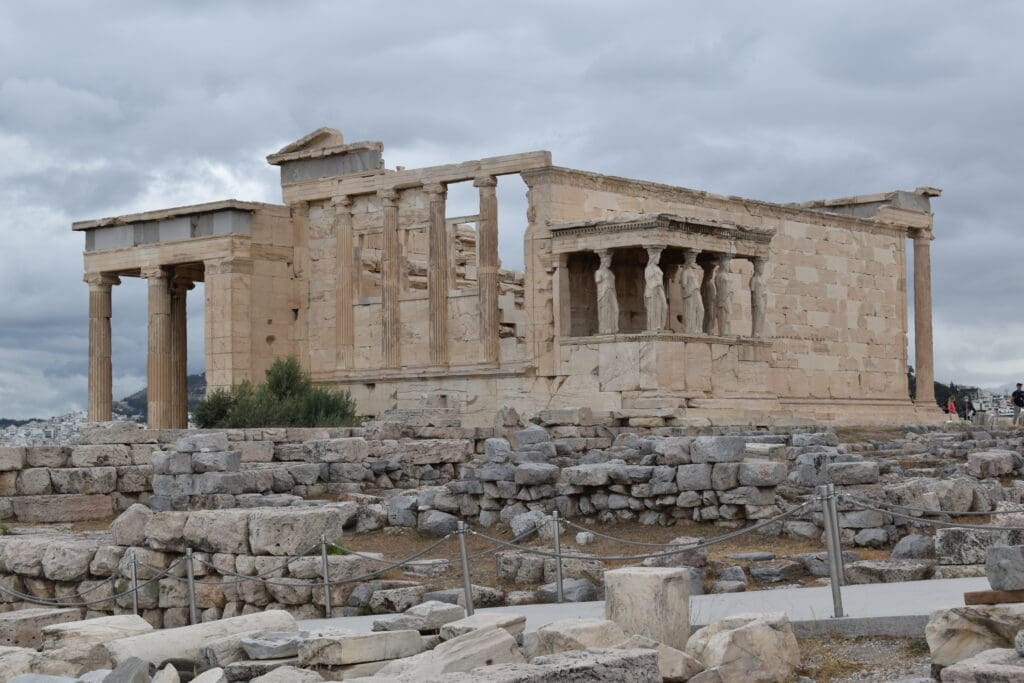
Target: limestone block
x=578, y=634
x=725, y=475
x=349, y=449
x=958, y=633
x=12, y=458
x=105, y=561
x=711, y=449
x=47, y=456
x=222, y=461
x=597, y=474
x=135, y=478
x=171, y=462
x=68, y=560
x=130, y=526
x=534, y=473
x=402, y=511
x=291, y=531
x=93, y=631
x=674, y=665
x=166, y=531
x=695, y=477
x=34, y=482
x=288, y=674
x=218, y=531
x=969, y=546
x=762, y=473
x=272, y=644
x=73, y=661
x=63, y=508
x=852, y=473
x=759, y=648
x=15, y=661
x=573, y=590
x=391, y=600
x=482, y=647
x=24, y=555
x=335, y=649
x=209, y=483
x=426, y=616
x=993, y=463
x=1001, y=665
x=888, y=571
x=514, y=624
x=436, y=523
x=688, y=555
x=1004, y=567
x=651, y=602
x=105, y=455
x=84, y=480
x=914, y=547
x=186, y=641
x=24, y=628
x=255, y=451
x=194, y=443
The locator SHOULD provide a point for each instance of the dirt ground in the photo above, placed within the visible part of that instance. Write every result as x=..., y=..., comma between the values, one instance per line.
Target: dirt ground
x=863, y=660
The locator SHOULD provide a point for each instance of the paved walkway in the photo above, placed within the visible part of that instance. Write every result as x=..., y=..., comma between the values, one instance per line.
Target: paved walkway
x=872, y=609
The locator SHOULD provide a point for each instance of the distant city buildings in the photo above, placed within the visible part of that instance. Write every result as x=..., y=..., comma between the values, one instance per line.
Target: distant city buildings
x=61, y=429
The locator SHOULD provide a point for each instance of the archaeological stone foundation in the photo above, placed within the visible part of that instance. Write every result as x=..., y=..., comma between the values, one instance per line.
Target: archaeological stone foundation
x=645, y=299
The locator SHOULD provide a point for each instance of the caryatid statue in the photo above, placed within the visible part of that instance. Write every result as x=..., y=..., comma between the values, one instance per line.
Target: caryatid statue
x=758, y=297
x=708, y=296
x=723, y=296
x=693, y=309
x=607, y=300
x=654, y=291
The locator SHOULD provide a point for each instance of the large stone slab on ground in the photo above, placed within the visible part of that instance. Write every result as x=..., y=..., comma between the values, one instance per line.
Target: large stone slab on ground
x=592, y=666
x=24, y=628
x=16, y=660
x=888, y=571
x=1004, y=567
x=578, y=634
x=93, y=631
x=482, y=647
x=289, y=674
x=186, y=641
x=272, y=644
x=987, y=464
x=991, y=666
x=753, y=648
x=651, y=602
x=426, y=616
x=514, y=624
x=293, y=530
x=674, y=665
x=958, y=633
x=336, y=649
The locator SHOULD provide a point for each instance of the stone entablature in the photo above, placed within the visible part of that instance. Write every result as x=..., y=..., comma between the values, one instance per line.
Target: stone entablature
x=365, y=277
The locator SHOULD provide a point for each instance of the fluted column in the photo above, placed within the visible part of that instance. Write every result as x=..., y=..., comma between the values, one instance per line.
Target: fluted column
x=179, y=352
x=437, y=275
x=346, y=272
x=923, y=358
x=101, y=397
x=709, y=297
x=391, y=272
x=654, y=291
x=723, y=296
x=758, y=297
x=487, y=265
x=158, y=361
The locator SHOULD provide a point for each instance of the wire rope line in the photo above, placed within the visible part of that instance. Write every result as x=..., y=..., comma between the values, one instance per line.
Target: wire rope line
x=926, y=511
x=932, y=522
x=679, y=548
x=83, y=603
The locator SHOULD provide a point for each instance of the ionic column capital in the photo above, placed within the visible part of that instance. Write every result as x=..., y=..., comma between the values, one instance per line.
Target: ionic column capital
x=180, y=283
x=388, y=197
x=101, y=280
x=485, y=181
x=921, y=234
x=153, y=273
x=342, y=203
x=435, y=191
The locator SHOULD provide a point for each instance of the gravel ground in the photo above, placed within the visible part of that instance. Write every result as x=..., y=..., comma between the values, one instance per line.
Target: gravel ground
x=863, y=660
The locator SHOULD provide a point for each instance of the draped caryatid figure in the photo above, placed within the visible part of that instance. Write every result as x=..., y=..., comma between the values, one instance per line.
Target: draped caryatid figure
x=655, y=300
x=693, y=309
x=607, y=299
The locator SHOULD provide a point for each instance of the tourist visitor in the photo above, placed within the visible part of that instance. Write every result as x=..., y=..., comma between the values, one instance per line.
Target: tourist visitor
x=967, y=408
x=951, y=406
x=1017, y=399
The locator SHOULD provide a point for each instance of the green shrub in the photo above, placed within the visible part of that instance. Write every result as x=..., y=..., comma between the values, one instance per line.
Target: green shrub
x=287, y=399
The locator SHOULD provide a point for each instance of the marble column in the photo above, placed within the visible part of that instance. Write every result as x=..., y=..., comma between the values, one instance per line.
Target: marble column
x=346, y=270
x=391, y=279
x=709, y=297
x=487, y=268
x=179, y=352
x=723, y=296
x=923, y=358
x=607, y=298
x=101, y=397
x=158, y=361
x=693, y=310
x=758, y=297
x=437, y=275
x=655, y=300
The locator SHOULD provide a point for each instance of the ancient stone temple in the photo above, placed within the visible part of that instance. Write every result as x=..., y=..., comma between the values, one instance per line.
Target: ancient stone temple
x=636, y=297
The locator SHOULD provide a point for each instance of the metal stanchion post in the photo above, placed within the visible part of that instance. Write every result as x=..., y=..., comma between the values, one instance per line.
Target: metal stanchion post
x=830, y=544
x=327, y=578
x=467, y=584
x=135, y=584
x=558, y=559
x=190, y=574
x=834, y=511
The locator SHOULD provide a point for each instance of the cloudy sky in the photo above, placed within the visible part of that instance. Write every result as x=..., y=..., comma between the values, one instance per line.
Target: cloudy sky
x=111, y=107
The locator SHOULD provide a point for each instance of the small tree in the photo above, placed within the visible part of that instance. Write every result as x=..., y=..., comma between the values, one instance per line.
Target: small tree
x=288, y=398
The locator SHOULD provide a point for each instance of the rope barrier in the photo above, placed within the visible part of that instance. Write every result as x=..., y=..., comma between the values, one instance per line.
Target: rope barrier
x=938, y=512
x=63, y=603
x=932, y=522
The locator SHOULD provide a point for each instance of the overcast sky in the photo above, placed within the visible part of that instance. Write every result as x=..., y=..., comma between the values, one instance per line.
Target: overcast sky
x=111, y=107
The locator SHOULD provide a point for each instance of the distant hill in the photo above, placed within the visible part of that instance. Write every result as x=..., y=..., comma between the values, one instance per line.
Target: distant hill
x=9, y=422
x=135, y=405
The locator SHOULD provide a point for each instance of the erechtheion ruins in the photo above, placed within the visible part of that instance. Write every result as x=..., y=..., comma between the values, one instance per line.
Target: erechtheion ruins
x=636, y=297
